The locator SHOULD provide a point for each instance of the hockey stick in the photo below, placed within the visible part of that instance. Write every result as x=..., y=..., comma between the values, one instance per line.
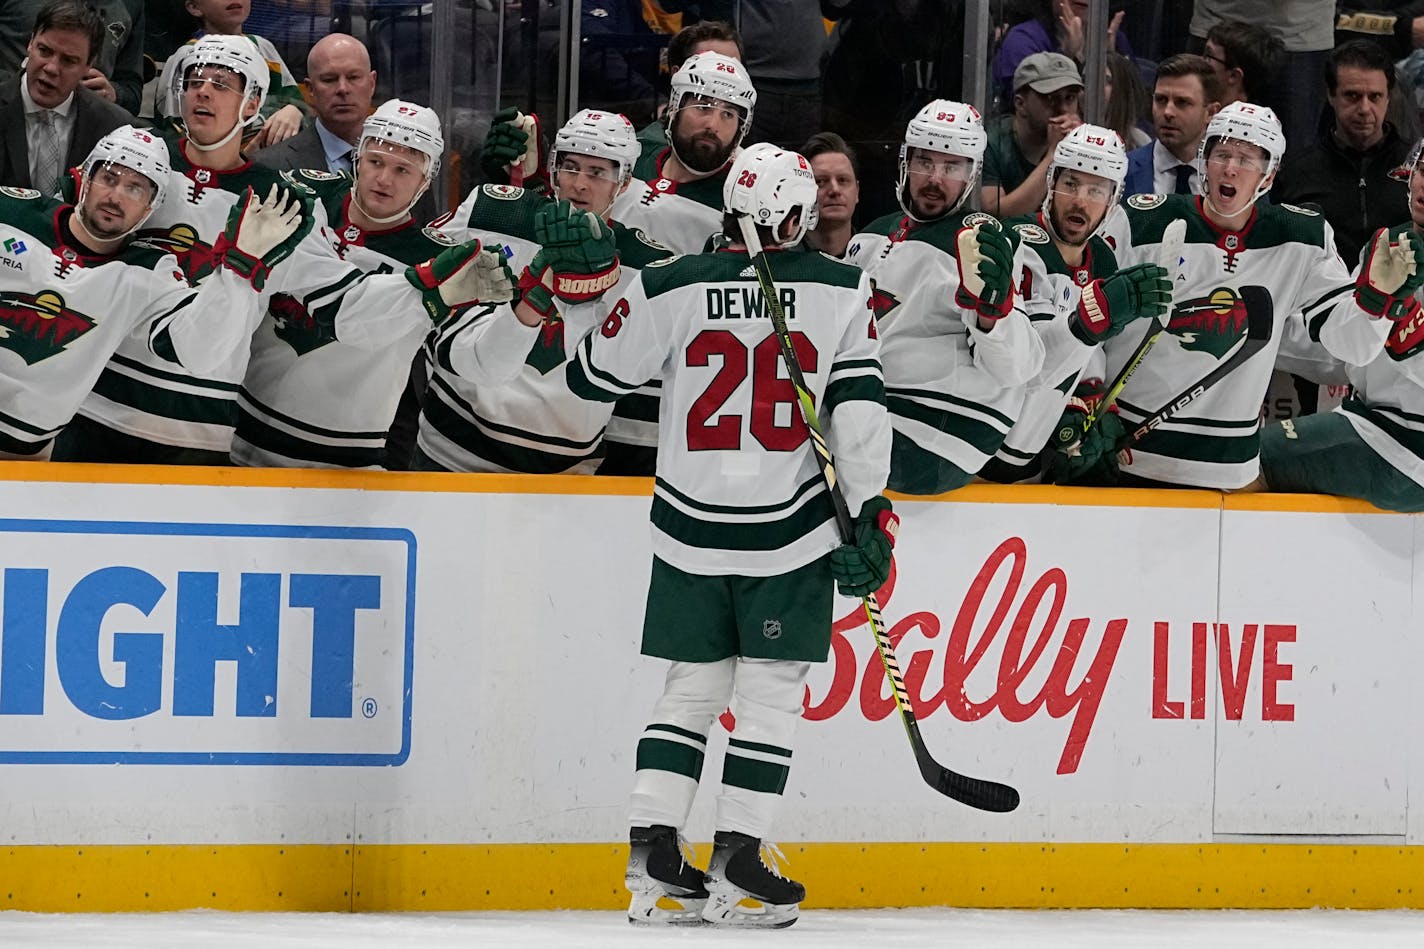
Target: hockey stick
x=975, y=792
x=1169, y=255
x=1260, y=322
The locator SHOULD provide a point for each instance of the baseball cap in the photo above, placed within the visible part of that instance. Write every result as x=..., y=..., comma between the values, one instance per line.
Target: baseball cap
x=1047, y=72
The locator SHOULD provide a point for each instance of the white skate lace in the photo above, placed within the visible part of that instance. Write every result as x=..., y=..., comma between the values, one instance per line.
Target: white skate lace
x=684, y=850
x=772, y=858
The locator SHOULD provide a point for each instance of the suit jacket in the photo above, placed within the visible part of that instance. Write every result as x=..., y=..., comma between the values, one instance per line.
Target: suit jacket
x=1140, y=176
x=304, y=150
x=93, y=119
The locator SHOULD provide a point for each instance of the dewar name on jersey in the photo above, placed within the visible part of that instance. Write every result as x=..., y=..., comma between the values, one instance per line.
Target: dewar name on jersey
x=746, y=303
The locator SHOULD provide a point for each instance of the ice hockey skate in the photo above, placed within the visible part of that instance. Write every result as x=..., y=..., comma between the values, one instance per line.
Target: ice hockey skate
x=667, y=889
x=744, y=891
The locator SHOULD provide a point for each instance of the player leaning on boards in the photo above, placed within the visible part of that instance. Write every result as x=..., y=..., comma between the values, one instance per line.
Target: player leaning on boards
x=1233, y=241
x=75, y=284
x=956, y=342
x=313, y=399
x=518, y=414
x=142, y=409
x=1067, y=261
x=1372, y=446
x=745, y=544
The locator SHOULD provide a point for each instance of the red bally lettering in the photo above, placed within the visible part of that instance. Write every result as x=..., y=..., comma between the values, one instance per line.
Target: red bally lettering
x=1233, y=666
x=1274, y=672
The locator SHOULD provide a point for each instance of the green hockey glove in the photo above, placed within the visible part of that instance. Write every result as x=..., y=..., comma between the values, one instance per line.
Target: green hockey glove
x=863, y=567
x=460, y=276
x=986, y=270
x=1390, y=273
x=578, y=257
x=1109, y=304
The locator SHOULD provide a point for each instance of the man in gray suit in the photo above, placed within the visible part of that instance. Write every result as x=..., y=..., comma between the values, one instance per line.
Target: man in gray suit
x=50, y=121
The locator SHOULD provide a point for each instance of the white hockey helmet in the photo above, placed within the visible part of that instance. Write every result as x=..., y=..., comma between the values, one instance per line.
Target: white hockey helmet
x=598, y=134
x=408, y=124
x=237, y=53
x=1092, y=150
x=1405, y=171
x=716, y=77
x=1245, y=122
x=954, y=128
x=136, y=149
x=766, y=184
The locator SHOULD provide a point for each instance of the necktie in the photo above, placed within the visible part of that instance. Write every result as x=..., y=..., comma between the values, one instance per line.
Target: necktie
x=349, y=159
x=49, y=162
x=1184, y=178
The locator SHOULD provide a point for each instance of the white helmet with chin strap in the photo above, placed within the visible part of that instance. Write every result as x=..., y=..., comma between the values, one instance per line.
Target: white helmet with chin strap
x=1254, y=124
x=136, y=149
x=766, y=185
x=236, y=53
x=607, y=135
x=397, y=122
x=1092, y=150
x=713, y=76
x=943, y=126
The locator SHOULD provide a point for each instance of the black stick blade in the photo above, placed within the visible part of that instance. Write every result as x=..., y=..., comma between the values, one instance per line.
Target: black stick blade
x=978, y=793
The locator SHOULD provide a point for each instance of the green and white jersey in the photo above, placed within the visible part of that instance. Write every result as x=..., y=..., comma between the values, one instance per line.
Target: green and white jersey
x=682, y=216
x=525, y=420
x=953, y=390
x=64, y=311
x=1214, y=441
x=1051, y=288
x=738, y=490
x=311, y=399
x=140, y=394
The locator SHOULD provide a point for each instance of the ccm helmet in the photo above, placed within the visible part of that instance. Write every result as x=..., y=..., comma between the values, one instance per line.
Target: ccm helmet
x=237, y=53
x=943, y=126
x=766, y=184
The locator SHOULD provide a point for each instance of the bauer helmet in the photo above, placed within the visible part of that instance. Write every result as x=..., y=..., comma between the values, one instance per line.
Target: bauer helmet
x=1255, y=124
x=713, y=76
x=598, y=134
x=767, y=184
x=943, y=126
x=396, y=122
x=136, y=149
x=1092, y=150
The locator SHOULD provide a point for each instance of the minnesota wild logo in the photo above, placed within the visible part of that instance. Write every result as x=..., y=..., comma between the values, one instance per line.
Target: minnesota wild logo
x=1210, y=324
x=882, y=301
x=39, y=325
x=547, y=353
x=298, y=328
x=195, y=256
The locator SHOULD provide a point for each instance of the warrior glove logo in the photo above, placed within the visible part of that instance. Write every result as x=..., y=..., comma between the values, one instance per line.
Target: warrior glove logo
x=37, y=326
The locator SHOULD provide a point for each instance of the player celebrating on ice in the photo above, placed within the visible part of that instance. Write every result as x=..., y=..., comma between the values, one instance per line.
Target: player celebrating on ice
x=1068, y=262
x=483, y=414
x=1232, y=241
x=1372, y=446
x=142, y=410
x=76, y=284
x=956, y=342
x=745, y=544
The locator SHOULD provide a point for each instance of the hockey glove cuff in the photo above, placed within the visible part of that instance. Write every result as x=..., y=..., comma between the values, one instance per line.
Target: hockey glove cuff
x=260, y=234
x=986, y=263
x=1407, y=336
x=460, y=276
x=863, y=567
x=533, y=292
x=1109, y=304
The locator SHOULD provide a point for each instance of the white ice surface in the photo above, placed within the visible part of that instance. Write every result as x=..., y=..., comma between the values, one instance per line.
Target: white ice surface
x=824, y=929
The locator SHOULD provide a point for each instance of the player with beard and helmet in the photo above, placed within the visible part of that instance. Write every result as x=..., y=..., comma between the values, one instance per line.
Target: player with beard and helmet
x=955, y=337
x=676, y=193
x=1066, y=259
x=77, y=284
x=1234, y=241
x=142, y=410
x=311, y=397
x=1372, y=446
x=519, y=415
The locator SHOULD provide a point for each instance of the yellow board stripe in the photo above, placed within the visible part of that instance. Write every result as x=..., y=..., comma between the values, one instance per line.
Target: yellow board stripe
x=450, y=877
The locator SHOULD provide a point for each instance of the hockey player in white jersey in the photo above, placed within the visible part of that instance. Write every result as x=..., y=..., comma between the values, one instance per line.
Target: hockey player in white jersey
x=141, y=409
x=1067, y=261
x=311, y=399
x=1372, y=445
x=519, y=415
x=75, y=284
x=956, y=341
x=745, y=545
x=1233, y=241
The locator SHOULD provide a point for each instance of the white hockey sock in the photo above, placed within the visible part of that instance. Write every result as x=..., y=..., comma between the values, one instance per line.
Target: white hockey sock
x=672, y=747
x=766, y=703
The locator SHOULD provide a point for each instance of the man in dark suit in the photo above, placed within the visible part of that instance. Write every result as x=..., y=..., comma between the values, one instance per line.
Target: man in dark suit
x=50, y=121
x=1184, y=99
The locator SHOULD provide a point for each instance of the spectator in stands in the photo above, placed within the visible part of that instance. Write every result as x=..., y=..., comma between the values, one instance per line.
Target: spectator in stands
x=837, y=172
x=117, y=71
x=1186, y=95
x=1246, y=57
x=51, y=120
x=285, y=108
x=1047, y=89
x=1056, y=27
x=785, y=43
x=1346, y=170
x=1128, y=104
x=341, y=84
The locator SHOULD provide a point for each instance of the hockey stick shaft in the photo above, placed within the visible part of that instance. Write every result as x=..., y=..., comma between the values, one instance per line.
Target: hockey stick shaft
x=975, y=792
x=1260, y=322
